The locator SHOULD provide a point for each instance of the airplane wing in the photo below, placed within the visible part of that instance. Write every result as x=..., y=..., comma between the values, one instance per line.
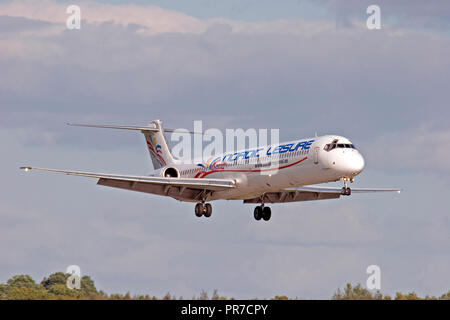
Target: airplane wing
x=308, y=193
x=187, y=189
x=339, y=190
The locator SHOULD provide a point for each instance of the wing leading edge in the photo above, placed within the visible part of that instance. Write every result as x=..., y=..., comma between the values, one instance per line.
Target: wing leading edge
x=309, y=193
x=186, y=189
x=339, y=190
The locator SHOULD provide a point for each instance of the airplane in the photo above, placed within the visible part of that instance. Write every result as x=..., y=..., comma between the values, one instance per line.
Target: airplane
x=285, y=172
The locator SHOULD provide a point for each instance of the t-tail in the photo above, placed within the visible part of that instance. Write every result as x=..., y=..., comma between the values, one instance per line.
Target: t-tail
x=157, y=145
x=154, y=135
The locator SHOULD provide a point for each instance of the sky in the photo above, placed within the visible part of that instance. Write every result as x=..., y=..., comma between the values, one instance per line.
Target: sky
x=300, y=66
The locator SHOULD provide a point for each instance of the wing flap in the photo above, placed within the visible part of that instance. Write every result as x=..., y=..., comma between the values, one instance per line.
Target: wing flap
x=293, y=196
x=177, y=192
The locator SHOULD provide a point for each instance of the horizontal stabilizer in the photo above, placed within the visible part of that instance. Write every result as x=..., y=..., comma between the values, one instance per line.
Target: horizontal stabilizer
x=113, y=127
x=138, y=128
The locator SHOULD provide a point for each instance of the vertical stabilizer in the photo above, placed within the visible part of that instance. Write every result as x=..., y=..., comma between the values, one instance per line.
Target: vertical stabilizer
x=157, y=145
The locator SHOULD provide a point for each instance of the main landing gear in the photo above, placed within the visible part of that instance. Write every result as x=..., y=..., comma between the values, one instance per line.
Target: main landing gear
x=346, y=191
x=262, y=212
x=203, y=209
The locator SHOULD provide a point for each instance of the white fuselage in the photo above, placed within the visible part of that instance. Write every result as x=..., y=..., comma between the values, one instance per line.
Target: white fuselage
x=274, y=167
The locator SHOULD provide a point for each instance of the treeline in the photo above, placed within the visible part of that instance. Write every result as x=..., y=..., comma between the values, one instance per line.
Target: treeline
x=54, y=287
x=23, y=287
x=359, y=293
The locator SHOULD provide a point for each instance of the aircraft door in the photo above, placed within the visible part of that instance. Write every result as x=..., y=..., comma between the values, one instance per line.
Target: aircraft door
x=316, y=155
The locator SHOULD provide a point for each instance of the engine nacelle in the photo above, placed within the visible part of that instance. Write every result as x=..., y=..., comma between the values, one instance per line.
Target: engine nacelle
x=170, y=172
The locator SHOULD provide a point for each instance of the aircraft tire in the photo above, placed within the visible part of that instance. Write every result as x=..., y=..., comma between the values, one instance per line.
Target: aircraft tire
x=199, y=207
x=266, y=213
x=208, y=210
x=257, y=213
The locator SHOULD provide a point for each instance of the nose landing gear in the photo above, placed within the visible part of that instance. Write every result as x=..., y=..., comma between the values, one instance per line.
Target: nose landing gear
x=346, y=191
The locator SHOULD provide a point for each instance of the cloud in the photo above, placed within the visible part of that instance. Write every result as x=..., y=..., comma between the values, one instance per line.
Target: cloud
x=19, y=24
x=155, y=19
x=228, y=72
x=386, y=90
x=291, y=68
x=151, y=20
x=400, y=13
x=422, y=149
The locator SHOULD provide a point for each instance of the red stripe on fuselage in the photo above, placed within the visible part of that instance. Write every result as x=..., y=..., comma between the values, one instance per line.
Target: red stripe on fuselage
x=255, y=170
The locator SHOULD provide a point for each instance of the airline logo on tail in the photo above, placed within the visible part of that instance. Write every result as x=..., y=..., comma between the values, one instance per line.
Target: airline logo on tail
x=156, y=151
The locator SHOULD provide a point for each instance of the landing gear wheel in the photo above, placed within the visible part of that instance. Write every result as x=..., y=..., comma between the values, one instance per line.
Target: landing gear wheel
x=266, y=213
x=346, y=191
x=208, y=210
x=199, y=209
x=257, y=213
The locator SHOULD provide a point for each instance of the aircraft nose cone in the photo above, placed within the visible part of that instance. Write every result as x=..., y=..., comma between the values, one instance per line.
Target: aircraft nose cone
x=357, y=164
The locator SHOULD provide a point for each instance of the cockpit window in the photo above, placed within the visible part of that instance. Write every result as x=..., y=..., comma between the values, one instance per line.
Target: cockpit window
x=333, y=145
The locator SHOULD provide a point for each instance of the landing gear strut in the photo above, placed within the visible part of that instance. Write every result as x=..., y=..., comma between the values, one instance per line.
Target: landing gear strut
x=203, y=209
x=262, y=212
x=346, y=191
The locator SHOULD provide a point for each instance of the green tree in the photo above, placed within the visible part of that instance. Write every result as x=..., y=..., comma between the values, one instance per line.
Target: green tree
x=61, y=291
x=88, y=287
x=23, y=287
x=23, y=281
x=54, y=278
x=56, y=284
x=280, y=298
x=355, y=293
x=445, y=296
x=408, y=296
